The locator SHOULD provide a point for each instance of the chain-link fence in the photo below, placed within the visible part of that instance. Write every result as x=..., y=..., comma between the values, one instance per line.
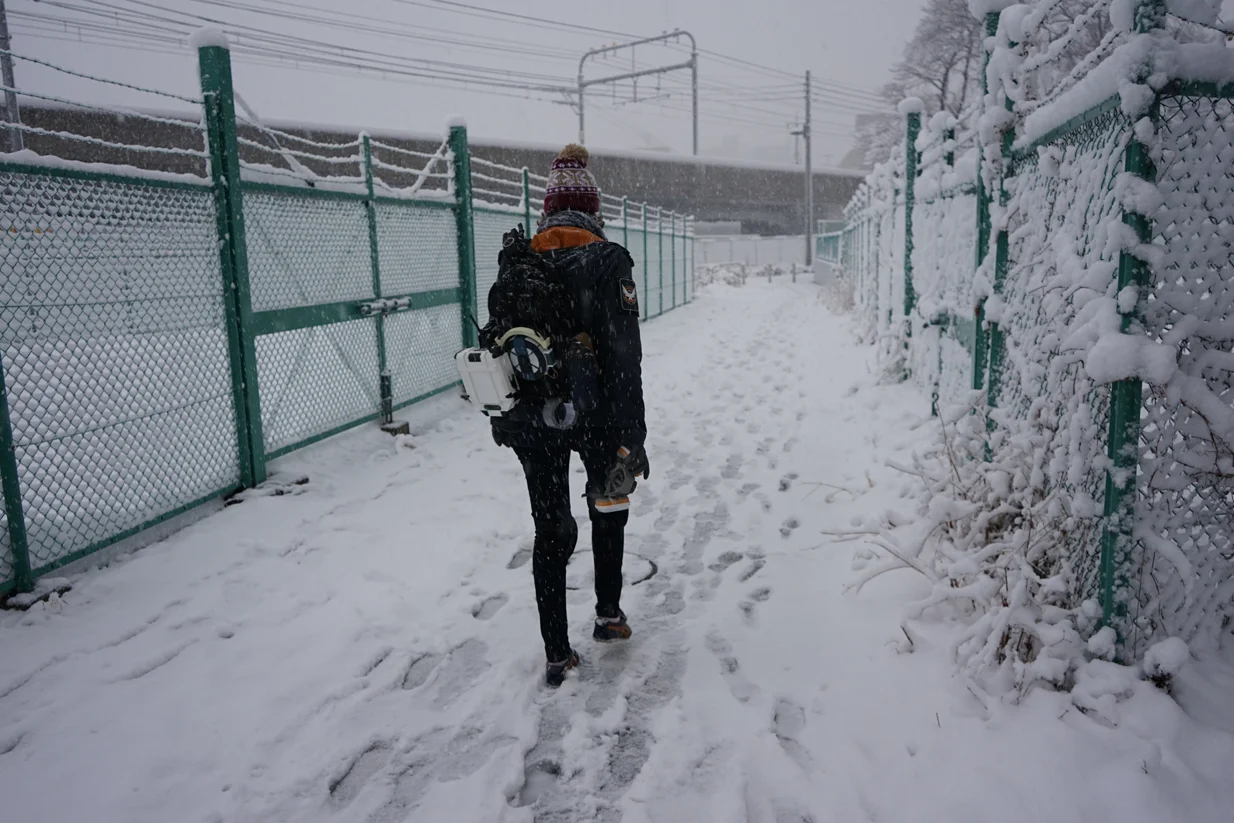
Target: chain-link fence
x=165, y=335
x=1080, y=280
x=116, y=363
x=1061, y=204
x=944, y=210
x=1182, y=570
x=873, y=251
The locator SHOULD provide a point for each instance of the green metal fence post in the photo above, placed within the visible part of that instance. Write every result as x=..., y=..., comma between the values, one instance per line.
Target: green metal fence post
x=981, y=341
x=527, y=198
x=685, y=262
x=688, y=290
x=690, y=258
x=465, y=220
x=660, y=233
x=646, y=264
x=672, y=254
x=912, y=129
x=385, y=379
x=625, y=222
x=1002, y=250
x=14, y=511
x=1127, y=396
x=214, y=64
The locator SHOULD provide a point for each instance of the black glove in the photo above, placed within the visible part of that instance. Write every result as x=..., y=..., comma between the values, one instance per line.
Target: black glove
x=636, y=461
x=619, y=482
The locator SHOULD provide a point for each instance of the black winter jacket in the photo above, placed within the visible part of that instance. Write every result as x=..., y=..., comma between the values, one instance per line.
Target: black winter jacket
x=606, y=302
x=608, y=311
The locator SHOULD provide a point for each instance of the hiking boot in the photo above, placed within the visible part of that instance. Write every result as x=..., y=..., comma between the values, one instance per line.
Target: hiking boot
x=555, y=673
x=612, y=628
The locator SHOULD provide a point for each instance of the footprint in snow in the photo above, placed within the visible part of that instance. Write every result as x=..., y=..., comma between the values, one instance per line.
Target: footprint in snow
x=418, y=672
x=464, y=665
x=730, y=668
x=788, y=722
x=753, y=569
x=749, y=607
x=345, y=787
x=668, y=517
x=520, y=558
x=374, y=661
x=674, y=602
x=489, y=606
x=725, y=560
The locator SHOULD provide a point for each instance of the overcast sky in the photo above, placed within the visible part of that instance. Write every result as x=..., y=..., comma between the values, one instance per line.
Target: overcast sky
x=746, y=112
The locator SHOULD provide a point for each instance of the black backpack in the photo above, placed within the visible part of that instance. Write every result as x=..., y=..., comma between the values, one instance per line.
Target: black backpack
x=530, y=292
x=533, y=292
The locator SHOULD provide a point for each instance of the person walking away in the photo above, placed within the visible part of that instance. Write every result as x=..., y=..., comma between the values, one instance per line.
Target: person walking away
x=595, y=309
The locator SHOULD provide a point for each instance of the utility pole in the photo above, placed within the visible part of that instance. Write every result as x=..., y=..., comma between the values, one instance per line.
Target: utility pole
x=691, y=64
x=804, y=133
x=806, y=136
x=12, y=113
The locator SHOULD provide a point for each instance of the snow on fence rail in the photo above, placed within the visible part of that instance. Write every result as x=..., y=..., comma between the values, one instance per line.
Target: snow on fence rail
x=164, y=335
x=660, y=242
x=1065, y=296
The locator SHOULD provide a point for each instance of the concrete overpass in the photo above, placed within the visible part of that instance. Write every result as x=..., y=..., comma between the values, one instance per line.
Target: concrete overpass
x=766, y=199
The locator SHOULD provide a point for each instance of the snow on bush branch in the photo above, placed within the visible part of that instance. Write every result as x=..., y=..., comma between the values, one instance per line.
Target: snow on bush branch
x=1012, y=512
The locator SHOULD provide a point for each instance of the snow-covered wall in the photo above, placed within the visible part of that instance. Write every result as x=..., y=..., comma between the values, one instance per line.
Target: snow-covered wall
x=752, y=250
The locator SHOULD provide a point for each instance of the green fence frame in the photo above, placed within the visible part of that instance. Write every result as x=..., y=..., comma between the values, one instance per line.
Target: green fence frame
x=214, y=63
x=245, y=326
x=849, y=246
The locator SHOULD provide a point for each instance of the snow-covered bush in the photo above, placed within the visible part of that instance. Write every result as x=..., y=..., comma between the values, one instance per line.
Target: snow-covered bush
x=1015, y=529
x=733, y=274
x=874, y=260
x=944, y=219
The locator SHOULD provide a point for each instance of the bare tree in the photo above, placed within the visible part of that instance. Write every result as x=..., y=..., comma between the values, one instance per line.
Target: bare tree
x=877, y=136
x=1079, y=31
x=942, y=62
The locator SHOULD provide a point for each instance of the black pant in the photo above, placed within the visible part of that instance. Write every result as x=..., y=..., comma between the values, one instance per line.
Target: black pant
x=548, y=484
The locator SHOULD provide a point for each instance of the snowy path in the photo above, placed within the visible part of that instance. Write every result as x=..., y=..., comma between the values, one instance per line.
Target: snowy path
x=368, y=650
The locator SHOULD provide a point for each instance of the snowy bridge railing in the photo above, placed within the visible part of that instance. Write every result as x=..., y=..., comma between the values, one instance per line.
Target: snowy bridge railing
x=1067, y=282
x=165, y=335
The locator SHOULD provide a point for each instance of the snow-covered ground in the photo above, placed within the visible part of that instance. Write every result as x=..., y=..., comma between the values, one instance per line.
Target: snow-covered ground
x=368, y=649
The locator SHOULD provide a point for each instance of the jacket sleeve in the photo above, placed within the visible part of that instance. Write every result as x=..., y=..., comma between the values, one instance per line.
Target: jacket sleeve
x=619, y=347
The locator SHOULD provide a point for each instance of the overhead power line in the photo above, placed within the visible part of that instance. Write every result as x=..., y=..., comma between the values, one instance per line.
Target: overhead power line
x=253, y=31
x=761, y=98
x=539, y=22
x=308, y=49
x=259, y=59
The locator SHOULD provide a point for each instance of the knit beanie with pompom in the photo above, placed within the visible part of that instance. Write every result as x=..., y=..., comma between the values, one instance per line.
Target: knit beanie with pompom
x=571, y=187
